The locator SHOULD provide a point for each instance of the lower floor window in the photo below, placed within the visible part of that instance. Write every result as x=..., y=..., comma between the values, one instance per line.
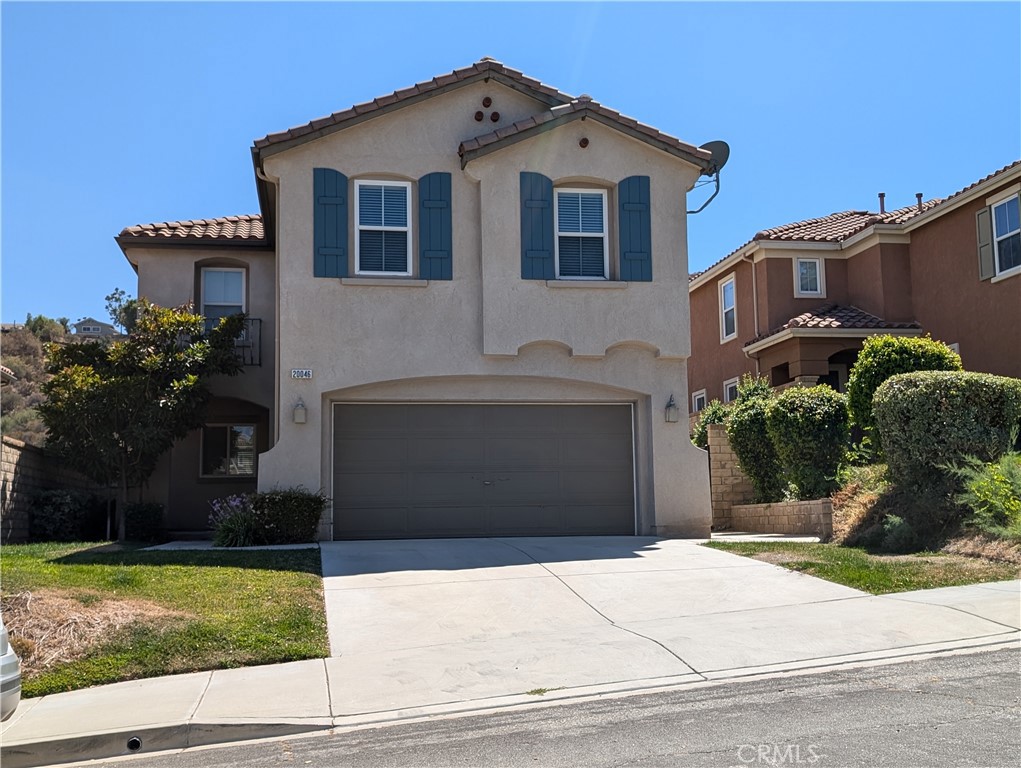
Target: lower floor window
x=730, y=390
x=228, y=450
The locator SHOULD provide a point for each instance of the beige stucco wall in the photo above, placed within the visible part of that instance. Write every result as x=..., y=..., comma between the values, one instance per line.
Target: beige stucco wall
x=486, y=335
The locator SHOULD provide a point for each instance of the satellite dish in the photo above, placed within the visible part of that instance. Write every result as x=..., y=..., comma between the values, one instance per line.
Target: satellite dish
x=721, y=153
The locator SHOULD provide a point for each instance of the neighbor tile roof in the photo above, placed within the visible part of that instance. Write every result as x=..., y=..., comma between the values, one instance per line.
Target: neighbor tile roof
x=836, y=316
x=992, y=175
x=247, y=228
x=583, y=105
x=485, y=66
x=8, y=373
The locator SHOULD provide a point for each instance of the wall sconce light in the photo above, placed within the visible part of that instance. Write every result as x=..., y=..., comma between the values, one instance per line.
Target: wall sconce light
x=672, y=413
x=299, y=412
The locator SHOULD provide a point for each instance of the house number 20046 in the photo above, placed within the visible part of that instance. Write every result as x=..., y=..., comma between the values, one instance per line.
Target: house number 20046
x=301, y=373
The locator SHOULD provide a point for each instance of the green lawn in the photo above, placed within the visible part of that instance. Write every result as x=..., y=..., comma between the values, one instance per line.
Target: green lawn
x=874, y=573
x=188, y=611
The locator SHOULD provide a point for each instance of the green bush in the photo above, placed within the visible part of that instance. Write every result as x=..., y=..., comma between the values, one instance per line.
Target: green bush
x=932, y=421
x=746, y=430
x=808, y=429
x=63, y=515
x=884, y=356
x=992, y=495
x=898, y=536
x=714, y=413
x=288, y=516
x=144, y=522
x=233, y=522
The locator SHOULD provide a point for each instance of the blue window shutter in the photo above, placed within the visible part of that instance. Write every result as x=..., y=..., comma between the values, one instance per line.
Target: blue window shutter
x=635, y=229
x=435, y=235
x=330, y=223
x=536, y=227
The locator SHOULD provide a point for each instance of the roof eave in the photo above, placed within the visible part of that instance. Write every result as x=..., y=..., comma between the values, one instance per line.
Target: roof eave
x=790, y=333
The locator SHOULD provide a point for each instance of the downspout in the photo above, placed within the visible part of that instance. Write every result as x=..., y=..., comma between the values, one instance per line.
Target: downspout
x=276, y=308
x=755, y=309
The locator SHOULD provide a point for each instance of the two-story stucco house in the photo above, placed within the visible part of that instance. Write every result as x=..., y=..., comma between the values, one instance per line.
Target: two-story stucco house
x=472, y=312
x=796, y=301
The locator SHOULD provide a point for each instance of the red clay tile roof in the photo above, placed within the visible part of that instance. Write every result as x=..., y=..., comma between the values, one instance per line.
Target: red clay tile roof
x=583, y=106
x=482, y=68
x=7, y=373
x=836, y=316
x=1004, y=169
x=246, y=228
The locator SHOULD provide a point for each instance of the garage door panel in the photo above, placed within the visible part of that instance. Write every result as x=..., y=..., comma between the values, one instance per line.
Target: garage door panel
x=478, y=470
x=521, y=451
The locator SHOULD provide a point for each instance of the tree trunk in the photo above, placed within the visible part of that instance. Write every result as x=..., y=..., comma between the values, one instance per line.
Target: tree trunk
x=122, y=528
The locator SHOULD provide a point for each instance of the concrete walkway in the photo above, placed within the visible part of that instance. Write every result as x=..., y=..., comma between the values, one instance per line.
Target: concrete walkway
x=419, y=628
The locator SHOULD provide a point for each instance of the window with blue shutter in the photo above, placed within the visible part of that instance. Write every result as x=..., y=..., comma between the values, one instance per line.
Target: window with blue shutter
x=635, y=224
x=382, y=227
x=581, y=251
x=537, y=241
x=434, y=227
x=329, y=258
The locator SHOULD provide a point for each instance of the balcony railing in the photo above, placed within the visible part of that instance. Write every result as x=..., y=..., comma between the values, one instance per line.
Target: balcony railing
x=248, y=344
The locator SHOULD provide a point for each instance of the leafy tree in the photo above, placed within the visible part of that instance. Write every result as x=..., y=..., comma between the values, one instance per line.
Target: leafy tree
x=122, y=309
x=714, y=413
x=113, y=410
x=746, y=430
x=46, y=328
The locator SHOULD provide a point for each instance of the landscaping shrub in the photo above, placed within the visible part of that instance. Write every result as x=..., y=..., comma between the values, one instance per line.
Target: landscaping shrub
x=63, y=515
x=288, y=516
x=898, y=536
x=746, y=430
x=144, y=522
x=714, y=413
x=808, y=429
x=884, y=356
x=931, y=422
x=233, y=522
x=992, y=495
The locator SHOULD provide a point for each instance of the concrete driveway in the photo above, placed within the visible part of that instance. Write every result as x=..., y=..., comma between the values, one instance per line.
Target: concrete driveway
x=434, y=623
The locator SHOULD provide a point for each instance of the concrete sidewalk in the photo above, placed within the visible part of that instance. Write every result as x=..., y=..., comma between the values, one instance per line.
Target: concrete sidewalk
x=419, y=628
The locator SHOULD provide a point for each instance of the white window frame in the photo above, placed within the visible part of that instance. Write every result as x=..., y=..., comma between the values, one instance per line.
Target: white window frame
x=244, y=286
x=604, y=235
x=731, y=279
x=228, y=426
x=359, y=227
x=726, y=390
x=820, y=273
x=997, y=272
x=695, y=397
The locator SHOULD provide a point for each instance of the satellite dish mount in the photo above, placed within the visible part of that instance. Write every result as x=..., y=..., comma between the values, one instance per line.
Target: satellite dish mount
x=720, y=151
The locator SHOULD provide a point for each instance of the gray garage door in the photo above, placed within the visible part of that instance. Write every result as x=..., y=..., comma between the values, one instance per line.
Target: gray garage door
x=412, y=471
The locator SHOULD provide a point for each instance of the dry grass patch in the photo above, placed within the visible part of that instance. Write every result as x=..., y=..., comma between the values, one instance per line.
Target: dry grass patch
x=979, y=545
x=49, y=627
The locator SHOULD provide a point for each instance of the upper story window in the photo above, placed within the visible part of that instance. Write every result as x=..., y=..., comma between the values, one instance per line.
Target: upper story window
x=809, y=277
x=581, y=247
x=728, y=309
x=1007, y=234
x=223, y=293
x=383, y=227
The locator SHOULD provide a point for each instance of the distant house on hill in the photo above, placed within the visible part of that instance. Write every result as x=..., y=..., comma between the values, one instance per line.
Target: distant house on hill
x=90, y=328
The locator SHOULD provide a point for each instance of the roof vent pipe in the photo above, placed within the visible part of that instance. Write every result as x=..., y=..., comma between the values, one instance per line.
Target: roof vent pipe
x=882, y=202
x=918, y=197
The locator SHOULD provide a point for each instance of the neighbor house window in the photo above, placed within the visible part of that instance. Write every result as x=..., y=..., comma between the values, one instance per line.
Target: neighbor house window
x=228, y=450
x=1007, y=235
x=698, y=401
x=730, y=390
x=808, y=277
x=581, y=248
x=223, y=294
x=383, y=231
x=728, y=309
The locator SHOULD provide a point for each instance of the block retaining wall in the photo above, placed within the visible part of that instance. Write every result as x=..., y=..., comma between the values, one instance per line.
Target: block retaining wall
x=728, y=484
x=806, y=518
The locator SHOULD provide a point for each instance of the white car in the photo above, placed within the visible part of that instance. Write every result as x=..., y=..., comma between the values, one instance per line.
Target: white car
x=10, y=676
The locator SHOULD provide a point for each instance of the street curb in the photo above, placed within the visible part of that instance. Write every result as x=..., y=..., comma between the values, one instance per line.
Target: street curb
x=157, y=738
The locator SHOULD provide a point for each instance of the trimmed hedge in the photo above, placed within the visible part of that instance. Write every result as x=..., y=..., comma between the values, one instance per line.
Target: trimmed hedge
x=64, y=515
x=808, y=429
x=714, y=413
x=289, y=516
x=930, y=422
x=884, y=356
x=746, y=430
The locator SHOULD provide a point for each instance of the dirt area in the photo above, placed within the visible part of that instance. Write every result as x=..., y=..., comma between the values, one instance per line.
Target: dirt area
x=49, y=627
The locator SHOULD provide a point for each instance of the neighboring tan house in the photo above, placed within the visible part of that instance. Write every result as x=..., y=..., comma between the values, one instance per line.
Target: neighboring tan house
x=473, y=306
x=796, y=302
x=90, y=328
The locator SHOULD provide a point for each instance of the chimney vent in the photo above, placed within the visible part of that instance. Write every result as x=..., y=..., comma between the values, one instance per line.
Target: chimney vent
x=918, y=197
x=882, y=202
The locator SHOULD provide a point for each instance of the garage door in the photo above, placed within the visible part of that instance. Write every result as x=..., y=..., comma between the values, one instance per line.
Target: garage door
x=439, y=470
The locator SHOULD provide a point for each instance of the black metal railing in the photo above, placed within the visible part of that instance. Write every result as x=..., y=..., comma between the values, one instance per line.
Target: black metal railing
x=248, y=344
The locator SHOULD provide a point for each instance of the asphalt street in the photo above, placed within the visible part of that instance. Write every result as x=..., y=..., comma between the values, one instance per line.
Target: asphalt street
x=959, y=710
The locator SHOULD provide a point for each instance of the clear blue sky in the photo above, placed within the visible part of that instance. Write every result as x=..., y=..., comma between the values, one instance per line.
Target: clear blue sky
x=118, y=114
